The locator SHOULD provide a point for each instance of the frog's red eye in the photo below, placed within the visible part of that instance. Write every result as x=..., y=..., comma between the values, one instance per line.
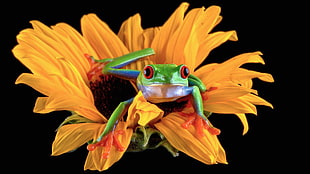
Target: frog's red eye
x=148, y=72
x=184, y=71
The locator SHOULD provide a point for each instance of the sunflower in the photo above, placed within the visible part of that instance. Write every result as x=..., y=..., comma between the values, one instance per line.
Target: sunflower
x=62, y=70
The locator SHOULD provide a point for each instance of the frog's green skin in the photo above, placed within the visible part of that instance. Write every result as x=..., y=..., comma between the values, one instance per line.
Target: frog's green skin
x=158, y=83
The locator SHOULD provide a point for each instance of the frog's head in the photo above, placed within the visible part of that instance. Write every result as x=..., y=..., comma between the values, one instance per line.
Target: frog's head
x=163, y=82
x=164, y=74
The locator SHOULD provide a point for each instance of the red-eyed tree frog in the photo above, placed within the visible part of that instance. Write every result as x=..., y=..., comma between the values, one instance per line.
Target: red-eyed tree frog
x=157, y=82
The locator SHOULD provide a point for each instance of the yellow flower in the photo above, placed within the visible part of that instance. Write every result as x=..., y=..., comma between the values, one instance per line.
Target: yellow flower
x=69, y=81
x=187, y=39
x=61, y=69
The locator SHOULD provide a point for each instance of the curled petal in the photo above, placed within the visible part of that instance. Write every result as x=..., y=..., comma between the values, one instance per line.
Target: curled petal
x=142, y=112
x=244, y=122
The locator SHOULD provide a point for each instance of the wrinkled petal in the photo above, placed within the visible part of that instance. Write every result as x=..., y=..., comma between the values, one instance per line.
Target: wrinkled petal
x=94, y=160
x=206, y=149
x=70, y=137
x=142, y=112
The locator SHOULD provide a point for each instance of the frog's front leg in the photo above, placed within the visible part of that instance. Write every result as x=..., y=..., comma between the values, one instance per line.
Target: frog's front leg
x=198, y=106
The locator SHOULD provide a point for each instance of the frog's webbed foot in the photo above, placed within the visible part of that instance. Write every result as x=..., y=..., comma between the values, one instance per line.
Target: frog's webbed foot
x=107, y=141
x=199, y=123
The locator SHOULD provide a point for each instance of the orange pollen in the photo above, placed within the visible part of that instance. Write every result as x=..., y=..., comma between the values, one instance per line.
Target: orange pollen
x=96, y=68
x=107, y=142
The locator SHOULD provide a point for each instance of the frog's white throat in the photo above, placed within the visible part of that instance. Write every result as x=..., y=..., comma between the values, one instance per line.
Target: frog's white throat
x=160, y=93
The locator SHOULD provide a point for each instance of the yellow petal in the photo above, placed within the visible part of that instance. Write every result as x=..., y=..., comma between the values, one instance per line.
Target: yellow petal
x=47, y=45
x=256, y=100
x=244, y=122
x=242, y=75
x=71, y=136
x=62, y=95
x=212, y=41
x=131, y=33
x=44, y=56
x=206, y=149
x=142, y=112
x=74, y=36
x=101, y=37
x=231, y=107
x=148, y=36
x=38, y=83
x=63, y=102
x=68, y=46
x=222, y=94
x=209, y=19
x=183, y=44
x=135, y=38
x=189, y=35
x=218, y=72
x=94, y=160
x=162, y=38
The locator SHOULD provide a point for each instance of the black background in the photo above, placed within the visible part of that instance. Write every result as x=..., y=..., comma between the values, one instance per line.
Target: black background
x=273, y=142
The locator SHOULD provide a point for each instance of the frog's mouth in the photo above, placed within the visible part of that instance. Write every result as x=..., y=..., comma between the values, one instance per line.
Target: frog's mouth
x=159, y=93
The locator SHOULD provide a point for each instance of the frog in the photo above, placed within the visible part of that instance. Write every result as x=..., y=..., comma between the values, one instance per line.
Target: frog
x=158, y=83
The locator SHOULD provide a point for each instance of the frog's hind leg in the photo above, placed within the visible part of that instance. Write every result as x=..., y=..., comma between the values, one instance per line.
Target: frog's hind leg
x=109, y=136
x=118, y=113
x=198, y=106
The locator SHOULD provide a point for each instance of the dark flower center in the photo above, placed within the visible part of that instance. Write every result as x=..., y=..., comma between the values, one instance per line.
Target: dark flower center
x=175, y=106
x=109, y=91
